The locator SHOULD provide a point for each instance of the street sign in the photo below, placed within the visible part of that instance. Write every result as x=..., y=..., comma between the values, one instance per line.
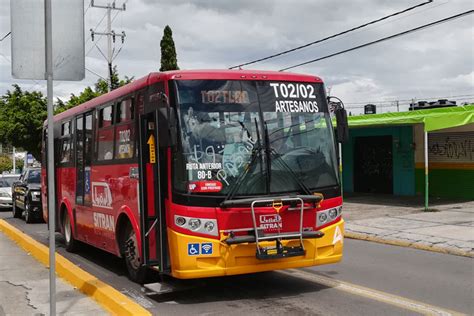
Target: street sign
x=28, y=39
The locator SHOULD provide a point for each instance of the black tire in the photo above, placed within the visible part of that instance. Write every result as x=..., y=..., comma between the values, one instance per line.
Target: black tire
x=136, y=271
x=69, y=241
x=16, y=212
x=28, y=217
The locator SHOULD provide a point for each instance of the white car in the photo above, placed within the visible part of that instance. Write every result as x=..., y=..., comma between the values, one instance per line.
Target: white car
x=6, y=182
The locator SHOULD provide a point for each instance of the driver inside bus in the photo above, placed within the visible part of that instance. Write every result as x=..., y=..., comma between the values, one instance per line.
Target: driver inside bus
x=279, y=141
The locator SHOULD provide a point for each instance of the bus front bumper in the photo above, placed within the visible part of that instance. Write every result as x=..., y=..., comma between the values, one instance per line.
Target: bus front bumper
x=197, y=257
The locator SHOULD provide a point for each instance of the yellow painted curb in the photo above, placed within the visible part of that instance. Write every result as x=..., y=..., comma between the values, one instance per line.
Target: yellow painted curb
x=403, y=243
x=108, y=297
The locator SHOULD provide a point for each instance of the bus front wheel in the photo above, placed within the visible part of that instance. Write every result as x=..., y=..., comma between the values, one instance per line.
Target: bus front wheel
x=71, y=244
x=136, y=271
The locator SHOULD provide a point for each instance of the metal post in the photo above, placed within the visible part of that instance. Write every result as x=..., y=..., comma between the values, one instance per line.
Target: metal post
x=340, y=168
x=109, y=44
x=426, y=171
x=14, y=160
x=51, y=190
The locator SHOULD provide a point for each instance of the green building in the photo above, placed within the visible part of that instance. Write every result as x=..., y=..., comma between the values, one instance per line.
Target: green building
x=386, y=153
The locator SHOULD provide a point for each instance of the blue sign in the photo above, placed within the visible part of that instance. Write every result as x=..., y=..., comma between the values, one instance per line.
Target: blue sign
x=87, y=184
x=193, y=249
x=206, y=248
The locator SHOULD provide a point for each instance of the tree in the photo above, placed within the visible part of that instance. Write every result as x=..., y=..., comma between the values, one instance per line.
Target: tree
x=22, y=114
x=169, y=60
x=100, y=87
x=6, y=163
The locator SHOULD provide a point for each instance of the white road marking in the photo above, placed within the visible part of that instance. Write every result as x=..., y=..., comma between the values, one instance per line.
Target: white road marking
x=379, y=296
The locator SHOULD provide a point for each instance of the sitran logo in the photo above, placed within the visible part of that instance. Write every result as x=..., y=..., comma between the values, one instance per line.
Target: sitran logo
x=101, y=195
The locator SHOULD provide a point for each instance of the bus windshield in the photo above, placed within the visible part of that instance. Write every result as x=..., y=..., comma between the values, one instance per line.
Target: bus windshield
x=253, y=137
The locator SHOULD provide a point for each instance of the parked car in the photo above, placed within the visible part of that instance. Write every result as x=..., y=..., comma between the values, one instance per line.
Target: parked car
x=27, y=195
x=6, y=181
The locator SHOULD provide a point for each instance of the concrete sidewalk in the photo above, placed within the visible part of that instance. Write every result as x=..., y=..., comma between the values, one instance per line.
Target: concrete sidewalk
x=24, y=287
x=403, y=222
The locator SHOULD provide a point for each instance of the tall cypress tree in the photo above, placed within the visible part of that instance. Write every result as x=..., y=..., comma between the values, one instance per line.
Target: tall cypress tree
x=168, y=51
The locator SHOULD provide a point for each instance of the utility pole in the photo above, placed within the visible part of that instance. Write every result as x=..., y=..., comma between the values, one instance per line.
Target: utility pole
x=398, y=106
x=14, y=160
x=111, y=35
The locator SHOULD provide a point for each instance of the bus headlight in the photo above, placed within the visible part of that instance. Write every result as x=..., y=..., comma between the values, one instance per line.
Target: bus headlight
x=333, y=213
x=327, y=216
x=180, y=221
x=322, y=218
x=194, y=223
x=207, y=226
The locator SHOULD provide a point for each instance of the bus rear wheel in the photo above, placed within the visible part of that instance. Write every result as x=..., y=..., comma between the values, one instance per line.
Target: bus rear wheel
x=71, y=243
x=136, y=271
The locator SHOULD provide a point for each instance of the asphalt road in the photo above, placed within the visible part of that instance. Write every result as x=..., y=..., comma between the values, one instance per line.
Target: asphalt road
x=373, y=279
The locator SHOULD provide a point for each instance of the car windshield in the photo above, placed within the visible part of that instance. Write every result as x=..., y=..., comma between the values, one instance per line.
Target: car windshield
x=34, y=176
x=6, y=182
x=253, y=137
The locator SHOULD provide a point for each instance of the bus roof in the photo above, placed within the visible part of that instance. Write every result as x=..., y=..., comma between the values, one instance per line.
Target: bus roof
x=210, y=74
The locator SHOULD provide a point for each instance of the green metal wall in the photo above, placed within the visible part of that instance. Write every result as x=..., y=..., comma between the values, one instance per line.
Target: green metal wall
x=403, y=157
x=450, y=183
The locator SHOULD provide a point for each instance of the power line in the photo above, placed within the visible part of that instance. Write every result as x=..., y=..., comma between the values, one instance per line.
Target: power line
x=94, y=73
x=460, y=96
x=6, y=35
x=383, y=39
x=100, y=37
x=332, y=36
x=111, y=35
x=88, y=7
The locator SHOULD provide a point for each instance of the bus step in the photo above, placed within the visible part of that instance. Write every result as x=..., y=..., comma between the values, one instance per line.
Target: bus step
x=250, y=238
x=279, y=252
x=160, y=288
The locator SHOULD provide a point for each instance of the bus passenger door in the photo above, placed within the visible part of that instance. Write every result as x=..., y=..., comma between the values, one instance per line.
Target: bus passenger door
x=152, y=217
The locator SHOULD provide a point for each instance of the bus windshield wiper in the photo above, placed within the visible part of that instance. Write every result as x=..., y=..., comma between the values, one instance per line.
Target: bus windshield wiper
x=256, y=152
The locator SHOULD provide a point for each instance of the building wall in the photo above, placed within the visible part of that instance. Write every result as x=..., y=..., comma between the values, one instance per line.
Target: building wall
x=450, y=162
x=403, y=157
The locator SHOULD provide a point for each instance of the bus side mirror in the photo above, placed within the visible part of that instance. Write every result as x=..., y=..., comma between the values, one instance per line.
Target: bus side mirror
x=167, y=130
x=342, y=125
x=337, y=107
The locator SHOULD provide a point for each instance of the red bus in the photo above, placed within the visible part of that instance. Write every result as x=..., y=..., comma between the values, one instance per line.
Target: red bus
x=202, y=174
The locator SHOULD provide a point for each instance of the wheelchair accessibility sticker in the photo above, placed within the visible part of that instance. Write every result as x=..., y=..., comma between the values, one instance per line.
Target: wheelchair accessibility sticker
x=195, y=249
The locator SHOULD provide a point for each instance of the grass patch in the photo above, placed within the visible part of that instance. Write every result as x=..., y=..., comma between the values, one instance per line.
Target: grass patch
x=430, y=210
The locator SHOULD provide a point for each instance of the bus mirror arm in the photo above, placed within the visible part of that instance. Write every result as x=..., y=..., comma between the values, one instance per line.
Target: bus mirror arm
x=342, y=129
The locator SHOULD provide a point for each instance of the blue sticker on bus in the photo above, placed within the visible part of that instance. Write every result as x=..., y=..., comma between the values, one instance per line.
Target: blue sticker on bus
x=206, y=248
x=193, y=249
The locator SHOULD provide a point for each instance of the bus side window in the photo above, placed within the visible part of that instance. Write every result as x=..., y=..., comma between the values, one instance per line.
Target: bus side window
x=65, y=143
x=125, y=130
x=105, y=134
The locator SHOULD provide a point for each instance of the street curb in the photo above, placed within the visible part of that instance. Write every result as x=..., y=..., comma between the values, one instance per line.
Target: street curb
x=404, y=243
x=108, y=297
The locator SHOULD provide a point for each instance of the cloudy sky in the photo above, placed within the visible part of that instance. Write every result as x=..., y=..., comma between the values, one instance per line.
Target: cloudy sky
x=434, y=63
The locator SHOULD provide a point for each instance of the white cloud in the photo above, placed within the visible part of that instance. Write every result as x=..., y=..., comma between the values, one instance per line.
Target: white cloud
x=218, y=34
